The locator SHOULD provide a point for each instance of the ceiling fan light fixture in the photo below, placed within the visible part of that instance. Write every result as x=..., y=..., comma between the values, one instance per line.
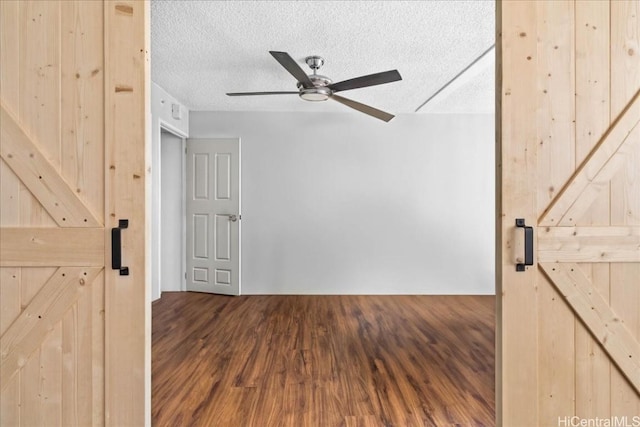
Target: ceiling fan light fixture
x=315, y=94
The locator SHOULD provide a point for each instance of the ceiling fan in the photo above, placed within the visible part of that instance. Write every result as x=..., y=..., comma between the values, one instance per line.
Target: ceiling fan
x=315, y=87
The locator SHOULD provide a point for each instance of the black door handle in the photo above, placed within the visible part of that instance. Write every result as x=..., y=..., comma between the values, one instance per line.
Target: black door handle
x=116, y=247
x=528, y=244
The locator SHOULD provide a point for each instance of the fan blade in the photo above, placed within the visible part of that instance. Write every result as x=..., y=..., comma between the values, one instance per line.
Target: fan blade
x=364, y=81
x=293, y=68
x=378, y=114
x=260, y=93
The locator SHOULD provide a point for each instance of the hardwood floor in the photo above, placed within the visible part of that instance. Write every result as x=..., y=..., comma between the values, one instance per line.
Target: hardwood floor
x=323, y=361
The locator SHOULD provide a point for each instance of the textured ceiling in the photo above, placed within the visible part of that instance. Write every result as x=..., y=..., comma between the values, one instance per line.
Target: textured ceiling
x=202, y=49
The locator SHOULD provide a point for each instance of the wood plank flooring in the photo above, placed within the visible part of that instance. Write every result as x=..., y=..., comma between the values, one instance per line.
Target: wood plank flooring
x=323, y=361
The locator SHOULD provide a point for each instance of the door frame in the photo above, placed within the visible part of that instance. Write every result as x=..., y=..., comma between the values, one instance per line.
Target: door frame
x=500, y=255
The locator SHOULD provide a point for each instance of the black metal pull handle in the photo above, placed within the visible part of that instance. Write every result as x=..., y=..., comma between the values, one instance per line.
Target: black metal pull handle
x=116, y=247
x=528, y=244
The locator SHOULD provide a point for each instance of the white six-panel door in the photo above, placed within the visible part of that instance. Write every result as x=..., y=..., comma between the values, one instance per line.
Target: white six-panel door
x=213, y=216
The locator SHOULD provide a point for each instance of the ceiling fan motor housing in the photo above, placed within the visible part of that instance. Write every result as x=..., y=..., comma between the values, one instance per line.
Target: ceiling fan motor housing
x=320, y=92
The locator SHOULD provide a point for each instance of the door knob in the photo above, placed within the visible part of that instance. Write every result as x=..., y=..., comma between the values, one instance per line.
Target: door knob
x=234, y=217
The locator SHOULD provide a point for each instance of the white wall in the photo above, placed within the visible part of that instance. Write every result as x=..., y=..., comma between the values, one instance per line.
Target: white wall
x=161, y=117
x=344, y=204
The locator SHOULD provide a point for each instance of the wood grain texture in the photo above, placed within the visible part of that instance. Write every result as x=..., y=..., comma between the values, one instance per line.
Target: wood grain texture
x=41, y=316
x=39, y=79
x=82, y=110
x=52, y=175
x=47, y=246
x=556, y=163
x=517, y=352
x=127, y=303
x=581, y=80
x=589, y=244
x=605, y=324
x=597, y=170
x=625, y=186
x=40, y=176
x=9, y=310
x=323, y=360
x=556, y=111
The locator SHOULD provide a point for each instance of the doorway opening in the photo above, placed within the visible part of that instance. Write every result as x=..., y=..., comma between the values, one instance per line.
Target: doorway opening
x=171, y=232
x=333, y=195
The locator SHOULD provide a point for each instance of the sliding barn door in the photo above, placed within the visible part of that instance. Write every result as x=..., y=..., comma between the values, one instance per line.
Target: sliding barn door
x=72, y=92
x=569, y=113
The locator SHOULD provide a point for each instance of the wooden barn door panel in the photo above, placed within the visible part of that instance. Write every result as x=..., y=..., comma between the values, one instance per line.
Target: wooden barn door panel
x=625, y=186
x=56, y=192
x=50, y=364
x=568, y=344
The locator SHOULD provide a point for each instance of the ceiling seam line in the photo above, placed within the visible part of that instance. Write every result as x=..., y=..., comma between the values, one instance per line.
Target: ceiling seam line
x=464, y=70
